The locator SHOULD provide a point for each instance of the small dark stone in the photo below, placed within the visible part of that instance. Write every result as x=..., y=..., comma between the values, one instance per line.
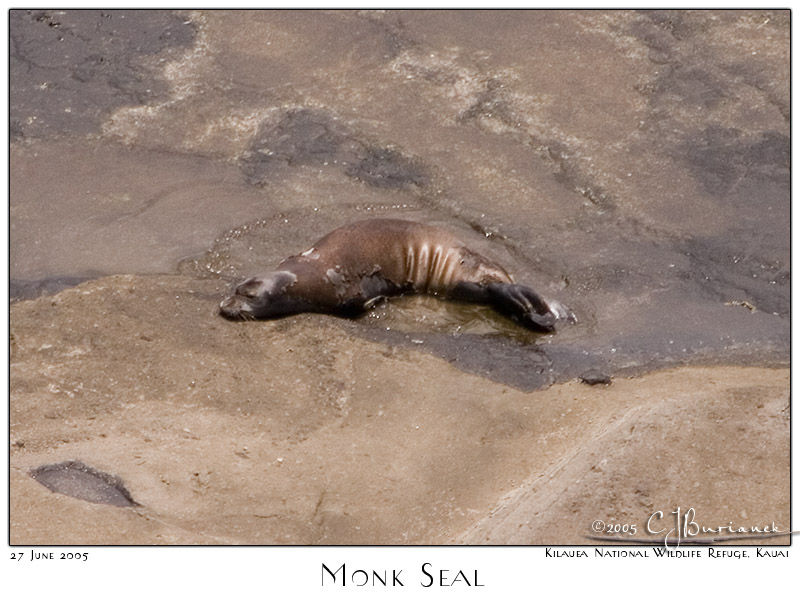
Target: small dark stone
x=593, y=377
x=78, y=480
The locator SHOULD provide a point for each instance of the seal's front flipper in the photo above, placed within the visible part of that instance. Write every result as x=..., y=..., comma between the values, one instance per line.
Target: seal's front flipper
x=526, y=306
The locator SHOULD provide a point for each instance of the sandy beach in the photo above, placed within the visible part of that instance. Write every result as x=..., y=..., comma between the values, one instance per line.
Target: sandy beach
x=256, y=434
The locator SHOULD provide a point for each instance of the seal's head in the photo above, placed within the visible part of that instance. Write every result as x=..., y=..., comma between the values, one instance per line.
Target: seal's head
x=259, y=297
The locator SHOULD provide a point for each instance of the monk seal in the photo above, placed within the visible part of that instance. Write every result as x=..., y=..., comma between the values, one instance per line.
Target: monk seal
x=352, y=268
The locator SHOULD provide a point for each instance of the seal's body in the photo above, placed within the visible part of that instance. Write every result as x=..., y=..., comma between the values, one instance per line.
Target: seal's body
x=349, y=270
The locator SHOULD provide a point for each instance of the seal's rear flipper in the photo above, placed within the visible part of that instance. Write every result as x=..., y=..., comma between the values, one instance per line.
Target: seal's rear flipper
x=527, y=307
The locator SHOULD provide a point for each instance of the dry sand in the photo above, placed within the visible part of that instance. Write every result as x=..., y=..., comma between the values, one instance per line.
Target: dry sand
x=299, y=432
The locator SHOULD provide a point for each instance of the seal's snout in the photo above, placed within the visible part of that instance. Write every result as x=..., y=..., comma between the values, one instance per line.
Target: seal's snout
x=232, y=308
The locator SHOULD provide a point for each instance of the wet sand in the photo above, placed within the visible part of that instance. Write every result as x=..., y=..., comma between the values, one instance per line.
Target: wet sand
x=632, y=164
